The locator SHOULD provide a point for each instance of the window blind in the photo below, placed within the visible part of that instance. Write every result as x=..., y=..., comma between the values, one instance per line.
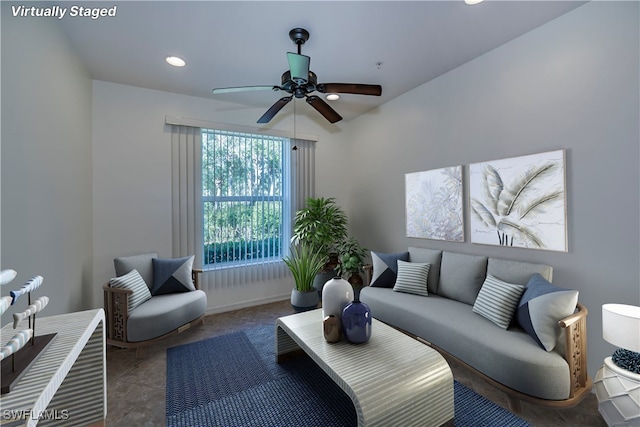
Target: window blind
x=189, y=199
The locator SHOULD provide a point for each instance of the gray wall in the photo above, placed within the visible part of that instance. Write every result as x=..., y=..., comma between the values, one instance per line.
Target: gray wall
x=573, y=84
x=46, y=163
x=132, y=178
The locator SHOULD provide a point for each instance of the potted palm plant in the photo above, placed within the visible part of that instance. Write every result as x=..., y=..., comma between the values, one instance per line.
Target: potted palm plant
x=352, y=259
x=321, y=225
x=304, y=263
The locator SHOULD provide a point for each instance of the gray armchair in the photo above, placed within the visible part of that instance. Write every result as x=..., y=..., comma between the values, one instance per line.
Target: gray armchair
x=151, y=298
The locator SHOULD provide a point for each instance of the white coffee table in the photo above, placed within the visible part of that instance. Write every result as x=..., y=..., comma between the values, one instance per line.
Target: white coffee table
x=393, y=380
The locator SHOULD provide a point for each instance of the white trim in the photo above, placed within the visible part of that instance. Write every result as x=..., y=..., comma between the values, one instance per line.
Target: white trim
x=246, y=304
x=206, y=124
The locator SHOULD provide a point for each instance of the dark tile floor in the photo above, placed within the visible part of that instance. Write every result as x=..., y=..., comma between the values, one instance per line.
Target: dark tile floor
x=136, y=387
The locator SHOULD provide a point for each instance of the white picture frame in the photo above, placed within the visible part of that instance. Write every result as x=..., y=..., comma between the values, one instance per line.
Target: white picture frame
x=519, y=202
x=433, y=204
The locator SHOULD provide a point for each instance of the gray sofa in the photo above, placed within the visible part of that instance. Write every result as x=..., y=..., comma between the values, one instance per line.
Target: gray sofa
x=510, y=358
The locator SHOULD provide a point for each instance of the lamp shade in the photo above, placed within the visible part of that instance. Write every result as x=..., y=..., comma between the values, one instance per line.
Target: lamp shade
x=621, y=326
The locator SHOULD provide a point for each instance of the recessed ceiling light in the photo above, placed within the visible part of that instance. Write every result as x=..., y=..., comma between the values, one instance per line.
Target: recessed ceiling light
x=175, y=61
x=472, y=2
x=333, y=97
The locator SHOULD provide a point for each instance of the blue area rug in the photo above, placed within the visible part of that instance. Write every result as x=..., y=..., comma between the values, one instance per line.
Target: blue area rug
x=233, y=380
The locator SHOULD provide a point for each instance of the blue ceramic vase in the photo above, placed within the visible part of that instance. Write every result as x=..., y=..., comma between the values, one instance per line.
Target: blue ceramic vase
x=356, y=322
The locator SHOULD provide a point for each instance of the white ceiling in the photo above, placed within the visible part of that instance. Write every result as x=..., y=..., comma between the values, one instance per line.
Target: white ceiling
x=245, y=43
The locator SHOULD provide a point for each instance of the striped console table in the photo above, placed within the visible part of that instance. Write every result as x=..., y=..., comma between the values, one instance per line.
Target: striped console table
x=393, y=380
x=67, y=385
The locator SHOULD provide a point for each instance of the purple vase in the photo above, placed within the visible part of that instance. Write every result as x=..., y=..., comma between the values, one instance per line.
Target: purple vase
x=356, y=322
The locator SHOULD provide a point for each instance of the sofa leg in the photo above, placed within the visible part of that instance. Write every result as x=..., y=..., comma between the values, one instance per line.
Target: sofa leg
x=515, y=405
x=140, y=353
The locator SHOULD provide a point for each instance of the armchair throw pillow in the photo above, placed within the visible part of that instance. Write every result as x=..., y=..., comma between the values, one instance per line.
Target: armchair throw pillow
x=172, y=275
x=133, y=281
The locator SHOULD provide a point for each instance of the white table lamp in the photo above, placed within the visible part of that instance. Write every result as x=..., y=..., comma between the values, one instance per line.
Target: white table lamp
x=617, y=382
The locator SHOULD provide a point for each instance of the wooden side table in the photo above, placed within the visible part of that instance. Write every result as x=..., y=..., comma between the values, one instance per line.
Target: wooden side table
x=67, y=385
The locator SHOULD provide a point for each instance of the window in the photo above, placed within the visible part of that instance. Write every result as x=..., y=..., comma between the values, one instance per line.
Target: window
x=233, y=198
x=245, y=197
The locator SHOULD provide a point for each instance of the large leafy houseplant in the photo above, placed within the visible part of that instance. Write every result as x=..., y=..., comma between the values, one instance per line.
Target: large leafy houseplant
x=321, y=225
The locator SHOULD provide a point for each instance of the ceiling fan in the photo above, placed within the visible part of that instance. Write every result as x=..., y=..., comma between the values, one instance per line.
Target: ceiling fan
x=301, y=82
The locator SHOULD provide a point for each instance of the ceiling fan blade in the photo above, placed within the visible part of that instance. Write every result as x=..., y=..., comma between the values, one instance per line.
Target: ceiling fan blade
x=266, y=117
x=242, y=89
x=355, y=88
x=324, y=109
x=299, y=67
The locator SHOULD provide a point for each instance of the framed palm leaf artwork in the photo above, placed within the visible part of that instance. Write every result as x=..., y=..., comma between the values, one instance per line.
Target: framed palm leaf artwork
x=519, y=202
x=434, y=204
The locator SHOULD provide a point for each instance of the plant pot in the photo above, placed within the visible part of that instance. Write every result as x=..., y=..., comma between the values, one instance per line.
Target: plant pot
x=321, y=278
x=304, y=301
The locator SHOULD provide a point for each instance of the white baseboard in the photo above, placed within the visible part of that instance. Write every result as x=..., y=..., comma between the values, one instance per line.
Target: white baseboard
x=249, y=303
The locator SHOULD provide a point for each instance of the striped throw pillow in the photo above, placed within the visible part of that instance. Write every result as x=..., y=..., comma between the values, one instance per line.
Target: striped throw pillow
x=497, y=300
x=412, y=278
x=132, y=280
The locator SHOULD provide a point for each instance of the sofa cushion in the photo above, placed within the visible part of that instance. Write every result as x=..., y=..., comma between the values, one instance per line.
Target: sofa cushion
x=385, y=268
x=541, y=307
x=517, y=271
x=461, y=276
x=141, y=262
x=172, y=275
x=132, y=281
x=510, y=356
x=412, y=278
x=497, y=300
x=165, y=313
x=432, y=257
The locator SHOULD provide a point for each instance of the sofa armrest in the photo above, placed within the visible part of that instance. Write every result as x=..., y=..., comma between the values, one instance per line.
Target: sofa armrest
x=116, y=307
x=575, y=333
x=195, y=275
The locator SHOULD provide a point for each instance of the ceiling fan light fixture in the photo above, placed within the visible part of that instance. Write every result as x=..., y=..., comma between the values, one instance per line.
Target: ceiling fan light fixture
x=175, y=61
x=300, y=82
x=472, y=2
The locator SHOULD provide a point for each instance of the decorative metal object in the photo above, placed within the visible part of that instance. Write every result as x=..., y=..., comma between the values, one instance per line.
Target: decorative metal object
x=332, y=329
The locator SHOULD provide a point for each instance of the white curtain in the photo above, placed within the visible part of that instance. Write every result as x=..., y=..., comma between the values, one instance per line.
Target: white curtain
x=187, y=216
x=186, y=186
x=303, y=172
